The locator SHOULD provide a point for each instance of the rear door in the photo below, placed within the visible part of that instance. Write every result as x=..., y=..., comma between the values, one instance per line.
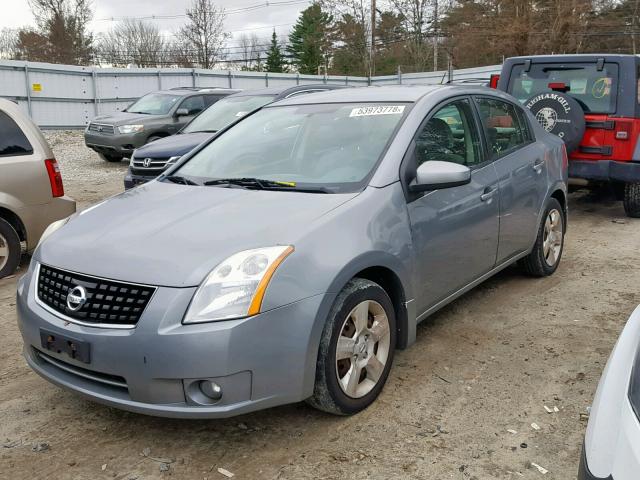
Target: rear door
x=522, y=173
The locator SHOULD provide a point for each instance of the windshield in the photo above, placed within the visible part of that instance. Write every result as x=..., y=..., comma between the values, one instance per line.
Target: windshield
x=226, y=111
x=154, y=104
x=594, y=89
x=333, y=146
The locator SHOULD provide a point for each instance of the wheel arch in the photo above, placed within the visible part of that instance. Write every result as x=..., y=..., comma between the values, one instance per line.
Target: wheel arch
x=389, y=272
x=15, y=222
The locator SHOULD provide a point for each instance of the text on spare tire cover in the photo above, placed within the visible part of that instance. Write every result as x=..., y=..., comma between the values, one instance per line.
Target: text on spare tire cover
x=547, y=117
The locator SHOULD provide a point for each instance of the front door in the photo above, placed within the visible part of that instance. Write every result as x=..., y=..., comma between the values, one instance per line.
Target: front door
x=455, y=230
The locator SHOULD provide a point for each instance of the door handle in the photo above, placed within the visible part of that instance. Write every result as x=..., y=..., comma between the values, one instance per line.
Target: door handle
x=537, y=166
x=488, y=194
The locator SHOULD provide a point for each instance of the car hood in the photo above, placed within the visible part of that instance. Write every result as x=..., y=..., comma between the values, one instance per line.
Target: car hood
x=173, y=235
x=175, y=145
x=122, y=118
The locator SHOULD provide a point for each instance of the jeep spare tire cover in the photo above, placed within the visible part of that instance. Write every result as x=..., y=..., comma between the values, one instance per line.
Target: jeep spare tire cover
x=559, y=114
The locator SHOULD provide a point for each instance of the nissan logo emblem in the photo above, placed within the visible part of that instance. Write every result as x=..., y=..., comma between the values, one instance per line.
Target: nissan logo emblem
x=146, y=162
x=76, y=298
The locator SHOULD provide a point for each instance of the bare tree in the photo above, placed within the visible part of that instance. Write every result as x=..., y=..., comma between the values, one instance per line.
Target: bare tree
x=250, y=50
x=8, y=43
x=63, y=24
x=204, y=32
x=134, y=42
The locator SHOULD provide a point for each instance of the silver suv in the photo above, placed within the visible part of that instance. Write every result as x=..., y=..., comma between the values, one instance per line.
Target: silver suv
x=154, y=116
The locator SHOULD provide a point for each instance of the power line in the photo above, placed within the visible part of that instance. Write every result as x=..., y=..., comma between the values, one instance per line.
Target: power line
x=235, y=11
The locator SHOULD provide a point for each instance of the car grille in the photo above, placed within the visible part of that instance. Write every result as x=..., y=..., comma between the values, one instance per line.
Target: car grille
x=107, y=301
x=148, y=166
x=102, y=128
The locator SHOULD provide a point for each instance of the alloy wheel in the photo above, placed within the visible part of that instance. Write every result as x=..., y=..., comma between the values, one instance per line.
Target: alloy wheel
x=4, y=251
x=363, y=349
x=552, y=239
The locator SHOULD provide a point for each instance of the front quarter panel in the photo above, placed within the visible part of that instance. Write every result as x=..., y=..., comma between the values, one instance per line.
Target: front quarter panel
x=370, y=230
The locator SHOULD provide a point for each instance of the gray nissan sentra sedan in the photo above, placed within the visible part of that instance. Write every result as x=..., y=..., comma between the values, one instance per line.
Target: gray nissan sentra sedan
x=291, y=256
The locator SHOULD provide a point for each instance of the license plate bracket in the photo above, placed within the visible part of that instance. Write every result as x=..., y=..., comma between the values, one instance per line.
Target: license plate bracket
x=74, y=348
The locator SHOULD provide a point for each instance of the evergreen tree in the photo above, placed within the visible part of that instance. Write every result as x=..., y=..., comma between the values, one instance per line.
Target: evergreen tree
x=275, y=60
x=310, y=39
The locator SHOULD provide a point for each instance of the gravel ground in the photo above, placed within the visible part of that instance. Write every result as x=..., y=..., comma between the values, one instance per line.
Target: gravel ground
x=484, y=365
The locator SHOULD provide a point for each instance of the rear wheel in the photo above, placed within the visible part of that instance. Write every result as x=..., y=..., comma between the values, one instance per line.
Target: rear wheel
x=631, y=200
x=10, y=249
x=547, y=251
x=356, y=349
x=108, y=157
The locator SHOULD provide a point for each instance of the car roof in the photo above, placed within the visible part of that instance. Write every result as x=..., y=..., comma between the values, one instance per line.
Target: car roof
x=197, y=91
x=387, y=93
x=569, y=57
x=283, y=92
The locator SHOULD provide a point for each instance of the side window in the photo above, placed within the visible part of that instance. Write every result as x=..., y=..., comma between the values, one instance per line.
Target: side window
x=211, y=99
x=503, y=129
x=194, y=104
x=450, y=135
x=526, y=126
x=12, y=140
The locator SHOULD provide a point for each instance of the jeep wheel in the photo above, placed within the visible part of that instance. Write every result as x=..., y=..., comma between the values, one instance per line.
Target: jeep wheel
x=560, y=115
x=10, y=249
x=631, y=200
x=547, y=251
x=356, y=349
x=107, y=157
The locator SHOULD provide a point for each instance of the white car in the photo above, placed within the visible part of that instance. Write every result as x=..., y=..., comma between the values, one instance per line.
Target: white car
x=612, y=442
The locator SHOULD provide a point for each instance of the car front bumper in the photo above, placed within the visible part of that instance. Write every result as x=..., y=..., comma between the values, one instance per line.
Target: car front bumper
x=155, y=368
x=133, y=180
x=116, y=144
x=605, y=170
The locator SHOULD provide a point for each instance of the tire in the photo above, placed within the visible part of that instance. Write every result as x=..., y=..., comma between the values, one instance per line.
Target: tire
x=110, y=158
x=365, y=340
x=538, y=263
x=631, y=200
x=153, y=138
x=10, y=249
x=560, y=115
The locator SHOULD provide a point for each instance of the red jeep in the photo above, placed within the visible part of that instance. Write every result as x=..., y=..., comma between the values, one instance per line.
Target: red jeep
x=593, y=103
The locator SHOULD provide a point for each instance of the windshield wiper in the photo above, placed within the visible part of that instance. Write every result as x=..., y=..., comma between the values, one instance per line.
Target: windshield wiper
x=179, y=179
x=262, y=184
x=204, y=131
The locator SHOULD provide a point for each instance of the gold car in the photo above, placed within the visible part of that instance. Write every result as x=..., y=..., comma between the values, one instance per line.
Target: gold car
x=31, y=189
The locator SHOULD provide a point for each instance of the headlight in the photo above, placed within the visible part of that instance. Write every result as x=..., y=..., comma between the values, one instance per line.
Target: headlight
x=52, y=228
x=130, y=128
x=634, y=385
x=235, y=288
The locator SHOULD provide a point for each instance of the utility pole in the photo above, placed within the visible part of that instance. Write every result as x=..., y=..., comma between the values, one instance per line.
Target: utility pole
x=435, y=35
x=373, y=40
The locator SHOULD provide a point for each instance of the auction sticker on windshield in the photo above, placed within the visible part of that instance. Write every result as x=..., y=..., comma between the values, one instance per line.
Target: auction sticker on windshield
x=377, y=110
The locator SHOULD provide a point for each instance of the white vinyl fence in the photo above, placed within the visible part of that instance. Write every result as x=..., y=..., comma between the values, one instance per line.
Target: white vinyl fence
x=64, y=96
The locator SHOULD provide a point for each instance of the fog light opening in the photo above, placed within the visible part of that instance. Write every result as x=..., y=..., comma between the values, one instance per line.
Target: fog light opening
x=211, y=389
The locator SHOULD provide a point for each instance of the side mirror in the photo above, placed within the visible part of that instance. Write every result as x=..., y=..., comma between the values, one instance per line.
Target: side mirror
x=182, y=112
x=434, y=175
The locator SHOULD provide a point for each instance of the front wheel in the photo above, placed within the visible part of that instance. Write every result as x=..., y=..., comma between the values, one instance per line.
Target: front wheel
x=631, y=200
x=356, y=349
x=547, y=251
x=112, y=158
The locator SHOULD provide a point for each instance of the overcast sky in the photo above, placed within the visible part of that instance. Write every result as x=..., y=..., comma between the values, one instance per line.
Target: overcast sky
x=256, y=20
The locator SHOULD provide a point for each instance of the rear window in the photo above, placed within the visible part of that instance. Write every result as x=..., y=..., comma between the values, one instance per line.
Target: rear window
x=12, y=140
x=594, y=89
